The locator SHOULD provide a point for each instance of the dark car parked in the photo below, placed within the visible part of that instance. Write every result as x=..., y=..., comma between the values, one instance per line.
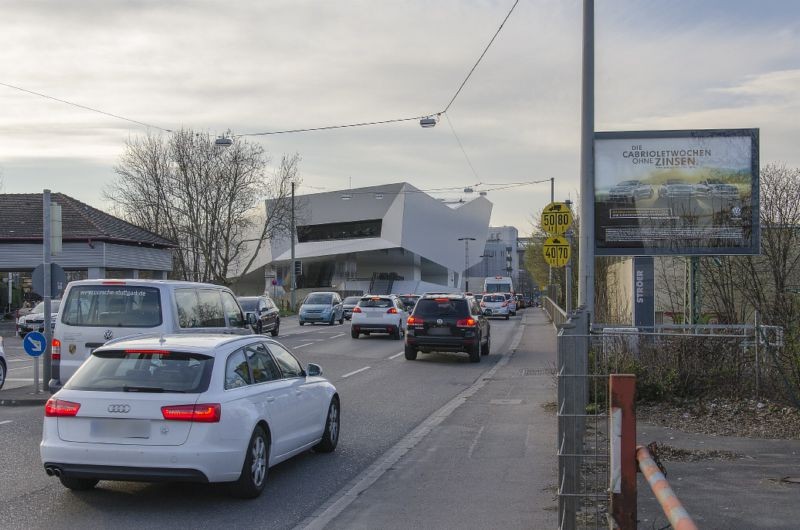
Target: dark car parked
x=452, y=322
x=266, y=313
x=348, y=304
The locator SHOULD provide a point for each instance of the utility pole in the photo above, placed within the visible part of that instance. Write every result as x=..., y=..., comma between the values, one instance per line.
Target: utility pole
x=552, y=200
x=292, y=279
x=466, y=241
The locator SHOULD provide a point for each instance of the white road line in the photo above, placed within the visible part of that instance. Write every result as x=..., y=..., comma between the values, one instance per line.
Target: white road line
x=345, y=376
x=22, y=368
x=17, y=360
x=6, y=421
x=25, y=380
x=303, y=345
x=396, y=355
x=337, y=336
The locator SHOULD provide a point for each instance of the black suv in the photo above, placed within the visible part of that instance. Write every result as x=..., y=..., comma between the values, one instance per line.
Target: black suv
x=450, y=322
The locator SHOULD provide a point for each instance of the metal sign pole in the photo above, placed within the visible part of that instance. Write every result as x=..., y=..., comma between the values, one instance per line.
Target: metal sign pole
x=586, y=247
x=48, y=331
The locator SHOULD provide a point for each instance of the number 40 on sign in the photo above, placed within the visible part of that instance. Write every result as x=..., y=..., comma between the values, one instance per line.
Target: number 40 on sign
x=556, y=251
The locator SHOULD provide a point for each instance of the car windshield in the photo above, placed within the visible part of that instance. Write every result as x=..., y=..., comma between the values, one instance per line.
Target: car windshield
x=248, y=304
x=39, y=308
x=319, y=299
x=441, y=307
x=375, y=302
x=494, y=298
x=351, y=300
x=126, y=306
x=143, y=371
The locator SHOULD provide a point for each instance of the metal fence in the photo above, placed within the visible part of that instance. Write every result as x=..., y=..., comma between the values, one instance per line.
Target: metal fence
x=557, y=315
x=669, y=361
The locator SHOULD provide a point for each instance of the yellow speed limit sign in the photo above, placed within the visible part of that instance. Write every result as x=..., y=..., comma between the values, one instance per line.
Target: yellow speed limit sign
x=556, y=251
x=556, y=218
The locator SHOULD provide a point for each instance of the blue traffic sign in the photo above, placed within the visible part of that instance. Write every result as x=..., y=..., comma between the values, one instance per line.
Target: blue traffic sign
x=34, y=343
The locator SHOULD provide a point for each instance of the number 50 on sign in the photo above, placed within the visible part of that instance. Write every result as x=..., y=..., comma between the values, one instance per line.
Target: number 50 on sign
x=556, y=251
x=556, y=218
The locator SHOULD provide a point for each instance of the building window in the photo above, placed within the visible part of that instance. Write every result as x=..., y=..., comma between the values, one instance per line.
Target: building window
x=333, y=231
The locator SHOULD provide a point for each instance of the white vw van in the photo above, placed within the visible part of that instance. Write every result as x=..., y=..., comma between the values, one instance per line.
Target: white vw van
x=96, y=311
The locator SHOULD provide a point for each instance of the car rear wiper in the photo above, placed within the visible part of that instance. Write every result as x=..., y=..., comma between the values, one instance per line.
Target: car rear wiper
x=154, y=389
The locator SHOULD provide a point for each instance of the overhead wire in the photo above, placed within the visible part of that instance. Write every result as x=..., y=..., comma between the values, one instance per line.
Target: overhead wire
x=466, y=156
x=92, y=109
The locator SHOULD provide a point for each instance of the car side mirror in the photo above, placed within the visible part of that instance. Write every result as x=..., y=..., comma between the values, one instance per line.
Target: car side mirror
x=313, y=370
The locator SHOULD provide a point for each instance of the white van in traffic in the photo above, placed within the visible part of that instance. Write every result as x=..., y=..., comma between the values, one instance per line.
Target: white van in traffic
x=96, y=311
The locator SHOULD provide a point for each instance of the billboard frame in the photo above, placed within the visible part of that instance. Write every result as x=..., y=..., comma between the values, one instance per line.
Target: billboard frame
x=754, y=248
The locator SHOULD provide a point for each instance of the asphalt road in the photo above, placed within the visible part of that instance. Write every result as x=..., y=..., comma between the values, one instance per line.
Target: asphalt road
x=383, y=396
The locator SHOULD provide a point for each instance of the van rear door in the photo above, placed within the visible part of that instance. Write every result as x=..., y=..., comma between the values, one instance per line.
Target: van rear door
x=93, y=314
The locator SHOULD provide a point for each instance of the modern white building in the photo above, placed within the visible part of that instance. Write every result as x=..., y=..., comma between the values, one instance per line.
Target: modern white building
x=382, y=239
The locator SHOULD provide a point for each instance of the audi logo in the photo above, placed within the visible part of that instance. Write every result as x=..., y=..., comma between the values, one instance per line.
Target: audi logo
x=121, y=409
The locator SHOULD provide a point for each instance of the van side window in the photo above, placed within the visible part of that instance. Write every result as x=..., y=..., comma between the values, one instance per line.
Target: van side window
x=210, y=309
x=186, y=301
x=232, y=311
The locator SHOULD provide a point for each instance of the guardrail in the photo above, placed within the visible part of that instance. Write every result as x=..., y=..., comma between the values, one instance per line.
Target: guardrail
x=557, y=315
x=676, y=514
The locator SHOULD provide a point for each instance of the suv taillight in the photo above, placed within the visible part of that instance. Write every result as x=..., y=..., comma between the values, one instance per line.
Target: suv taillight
x=201, y=413
x=414, y=321
x=58, y=408
x=356, y=309
x=392, y=311
x=467, y=323
x=56, y=350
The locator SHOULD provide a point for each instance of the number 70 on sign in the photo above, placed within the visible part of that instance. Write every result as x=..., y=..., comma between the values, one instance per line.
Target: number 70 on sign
x=556, y=251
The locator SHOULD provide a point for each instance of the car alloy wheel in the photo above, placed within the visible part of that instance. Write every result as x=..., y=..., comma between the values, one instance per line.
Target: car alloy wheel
x=258, y=469
x=2, y=374
x=255, y=467
x=330, y=438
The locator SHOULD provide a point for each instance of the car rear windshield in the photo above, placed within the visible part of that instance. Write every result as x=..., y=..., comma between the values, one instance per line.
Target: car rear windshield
x=318, y=299
x=375, y=302
x=143, y=371
x=125, y=306
x=351, y=300
x=441, y=307
x=494, y=298
x=248, y=304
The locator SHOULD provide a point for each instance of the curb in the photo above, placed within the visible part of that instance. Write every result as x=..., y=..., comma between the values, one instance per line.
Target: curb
x=26, y=399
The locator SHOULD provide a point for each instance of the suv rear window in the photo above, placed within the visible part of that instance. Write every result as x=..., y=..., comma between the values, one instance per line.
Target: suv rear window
x=375, y=302
x=494, y=298
x=441, y=307
x=118, y=371
x=125, y=306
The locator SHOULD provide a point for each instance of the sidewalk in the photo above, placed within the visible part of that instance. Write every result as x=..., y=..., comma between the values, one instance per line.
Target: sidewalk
x=486, y=461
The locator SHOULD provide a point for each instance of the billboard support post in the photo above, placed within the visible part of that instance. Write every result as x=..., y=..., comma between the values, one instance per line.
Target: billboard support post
x=586, y=244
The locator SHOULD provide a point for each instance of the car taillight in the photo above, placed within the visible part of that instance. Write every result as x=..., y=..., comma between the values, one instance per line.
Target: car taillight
x=56, y=408
x=505, y=304
x=414, y=321
x=56, y=350
x=392, y=311
x=483, y=304
x=466, y=323
x=356, y=309
x=201, y=413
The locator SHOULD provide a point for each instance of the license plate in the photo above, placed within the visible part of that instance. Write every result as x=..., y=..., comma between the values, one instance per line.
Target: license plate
x=112, y=428
x=439, y=331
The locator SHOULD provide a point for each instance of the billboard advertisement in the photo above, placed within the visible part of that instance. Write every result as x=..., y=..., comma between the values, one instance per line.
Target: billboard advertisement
x=676, y=192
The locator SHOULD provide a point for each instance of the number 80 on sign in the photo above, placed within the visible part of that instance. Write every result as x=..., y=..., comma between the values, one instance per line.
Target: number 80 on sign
x=556, y=251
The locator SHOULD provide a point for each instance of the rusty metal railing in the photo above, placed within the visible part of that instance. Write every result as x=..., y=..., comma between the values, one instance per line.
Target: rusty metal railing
x=676, y=514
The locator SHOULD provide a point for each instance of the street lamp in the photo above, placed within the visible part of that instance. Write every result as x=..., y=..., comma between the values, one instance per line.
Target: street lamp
x=466, y=241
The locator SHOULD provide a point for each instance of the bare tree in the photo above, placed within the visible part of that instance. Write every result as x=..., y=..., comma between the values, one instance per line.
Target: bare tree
x=208, y=199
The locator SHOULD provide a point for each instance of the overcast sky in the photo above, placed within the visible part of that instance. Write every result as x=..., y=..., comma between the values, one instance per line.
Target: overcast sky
x=253, y=66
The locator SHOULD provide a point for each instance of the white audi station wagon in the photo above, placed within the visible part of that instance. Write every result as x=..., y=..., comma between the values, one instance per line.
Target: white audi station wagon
x=187, y=407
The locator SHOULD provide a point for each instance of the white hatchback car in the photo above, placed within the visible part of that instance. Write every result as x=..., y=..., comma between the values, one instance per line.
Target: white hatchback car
x=187, y=407
x=495, y=305
x=379, y=314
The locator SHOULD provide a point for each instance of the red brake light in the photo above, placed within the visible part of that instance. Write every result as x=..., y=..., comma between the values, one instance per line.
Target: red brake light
x=147, y=352
x=392, y=310
x=201, y=413
x=466, y=323
x=114, y=282
x=56, y=350
x=356, y=309
x=441, y=299
x=412, y=320
x=56, y=408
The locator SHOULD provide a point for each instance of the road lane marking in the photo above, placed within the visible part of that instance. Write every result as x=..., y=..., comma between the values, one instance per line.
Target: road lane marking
x=6, y=421
x=17, y=360
x=337, y=336
x=18, y=379
x=345, y=376
x=303, y=345
x=396, y=355
x=21, y=368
